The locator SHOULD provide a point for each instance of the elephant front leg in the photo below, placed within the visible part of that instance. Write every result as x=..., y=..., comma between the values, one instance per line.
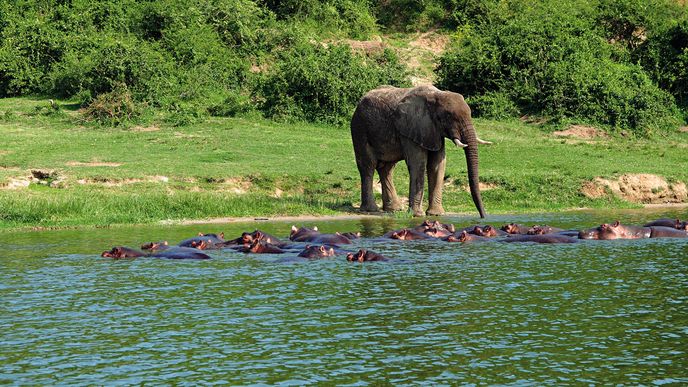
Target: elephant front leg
x=390, y=201
x=416, y=169
x=436, y=165
x=367, y=196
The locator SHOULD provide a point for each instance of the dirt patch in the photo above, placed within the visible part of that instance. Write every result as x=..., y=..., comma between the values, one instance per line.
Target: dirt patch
x=482, y=186
x=637, y=188
x=152, y=128
x=366, y=46
x=13, y=184
x=236, y=185
x=431, y=41
x=683, y=129
x=106, y=182
x=92, y=164
x=580, y=131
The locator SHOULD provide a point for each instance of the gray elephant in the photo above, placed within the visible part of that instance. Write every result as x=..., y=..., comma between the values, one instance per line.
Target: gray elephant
x=392, y=124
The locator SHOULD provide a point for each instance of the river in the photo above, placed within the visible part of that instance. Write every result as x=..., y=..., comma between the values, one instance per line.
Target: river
x=436, y=313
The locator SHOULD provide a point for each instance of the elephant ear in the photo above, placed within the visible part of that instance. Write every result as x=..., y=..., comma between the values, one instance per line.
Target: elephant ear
x=412, y=120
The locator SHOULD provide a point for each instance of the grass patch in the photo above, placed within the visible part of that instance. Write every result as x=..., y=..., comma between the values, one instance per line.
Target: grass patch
x=255, y=167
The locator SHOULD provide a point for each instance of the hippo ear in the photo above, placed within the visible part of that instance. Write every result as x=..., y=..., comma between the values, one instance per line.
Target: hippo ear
x=451, y=228
x=293, y=229
x=315, y=228
x=165, y=243
x=322, y=248
x=222, y=235
x=616, y=224
x=413, y=120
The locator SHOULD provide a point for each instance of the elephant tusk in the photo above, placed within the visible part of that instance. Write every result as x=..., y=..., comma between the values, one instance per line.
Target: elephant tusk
x=481, y=141
x=459, y=143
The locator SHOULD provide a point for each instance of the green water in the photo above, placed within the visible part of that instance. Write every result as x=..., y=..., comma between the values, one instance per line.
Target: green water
x=494, y=313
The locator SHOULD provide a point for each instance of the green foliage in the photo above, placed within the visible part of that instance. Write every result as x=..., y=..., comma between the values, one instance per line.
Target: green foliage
x=314, y=82
x=552, y=59
x=493, y=104
x=112, y=108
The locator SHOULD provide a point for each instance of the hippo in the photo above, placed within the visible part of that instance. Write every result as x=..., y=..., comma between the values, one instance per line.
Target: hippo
x=666, y=222
x=465, y=236
x=260, y=246
x=435, y=229
x=119, y=252
x=352, y=235
x=539, y=238
x=615, y=231
x=488, y=231
x=407, y=234
x=304, y=234
x=155, y=246
x=515, y=228
x=248, y=238
x=212, y=241
x=667, y=232
x=313, y=251
x=541, y=230
x=364, y=255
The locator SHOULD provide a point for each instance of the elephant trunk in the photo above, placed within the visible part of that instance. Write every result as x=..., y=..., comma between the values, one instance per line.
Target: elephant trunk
x=469, y=137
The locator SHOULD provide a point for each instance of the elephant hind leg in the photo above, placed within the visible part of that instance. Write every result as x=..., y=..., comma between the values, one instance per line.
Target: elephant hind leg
x=390, y=201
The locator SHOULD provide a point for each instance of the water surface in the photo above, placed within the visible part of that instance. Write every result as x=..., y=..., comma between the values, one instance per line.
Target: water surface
x=437, y=313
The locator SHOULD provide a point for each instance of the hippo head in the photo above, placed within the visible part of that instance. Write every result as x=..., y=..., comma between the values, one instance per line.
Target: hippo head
x=317, y=252
x=489, y=231
x=358, y=256
x=155, y=245
x=463, y=237
x=202, y=245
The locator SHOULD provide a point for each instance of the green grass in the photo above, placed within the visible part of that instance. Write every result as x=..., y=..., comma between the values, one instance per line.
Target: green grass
x=227, y=167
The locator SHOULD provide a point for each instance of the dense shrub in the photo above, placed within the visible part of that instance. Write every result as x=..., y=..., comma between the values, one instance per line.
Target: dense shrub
x=549, y=59
x=113, y=108
x=353, y=17
x=311, y=81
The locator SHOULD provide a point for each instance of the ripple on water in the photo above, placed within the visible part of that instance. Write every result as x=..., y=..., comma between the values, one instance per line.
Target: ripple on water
x=437, y=313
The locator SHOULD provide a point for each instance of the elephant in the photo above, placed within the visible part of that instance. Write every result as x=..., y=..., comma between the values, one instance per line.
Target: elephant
x=391, y=124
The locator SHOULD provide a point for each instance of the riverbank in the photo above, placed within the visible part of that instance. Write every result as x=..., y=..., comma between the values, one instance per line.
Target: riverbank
x=56, y=171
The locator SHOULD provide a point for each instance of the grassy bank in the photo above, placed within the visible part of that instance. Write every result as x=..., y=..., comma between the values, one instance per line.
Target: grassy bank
x=227, y=167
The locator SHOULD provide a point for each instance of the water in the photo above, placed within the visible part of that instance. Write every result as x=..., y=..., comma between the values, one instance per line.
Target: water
x=438, y=313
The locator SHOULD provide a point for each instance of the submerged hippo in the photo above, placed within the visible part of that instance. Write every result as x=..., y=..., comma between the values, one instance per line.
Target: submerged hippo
x=204, y=241
x=465, y=236
x=364, y=255
x=539, y=238
x=314, y=252
x=120, y=252
x=312, y=235
x=615, y=230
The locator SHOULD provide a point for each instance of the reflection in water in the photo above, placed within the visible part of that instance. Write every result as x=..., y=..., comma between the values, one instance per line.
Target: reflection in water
x=595, y=312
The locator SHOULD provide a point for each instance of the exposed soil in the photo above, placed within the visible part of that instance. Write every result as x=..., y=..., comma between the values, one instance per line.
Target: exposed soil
x=236, y=185
x=683, y=129
x=580, y=131
x=152, y=128
x=638, y=188
x=92, y=164
x=431, y=41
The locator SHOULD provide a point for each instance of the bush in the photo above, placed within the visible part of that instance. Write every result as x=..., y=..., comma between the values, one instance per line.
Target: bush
x=493, y=104
x=549, y=59
x=318, y=83
x=113, y=108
